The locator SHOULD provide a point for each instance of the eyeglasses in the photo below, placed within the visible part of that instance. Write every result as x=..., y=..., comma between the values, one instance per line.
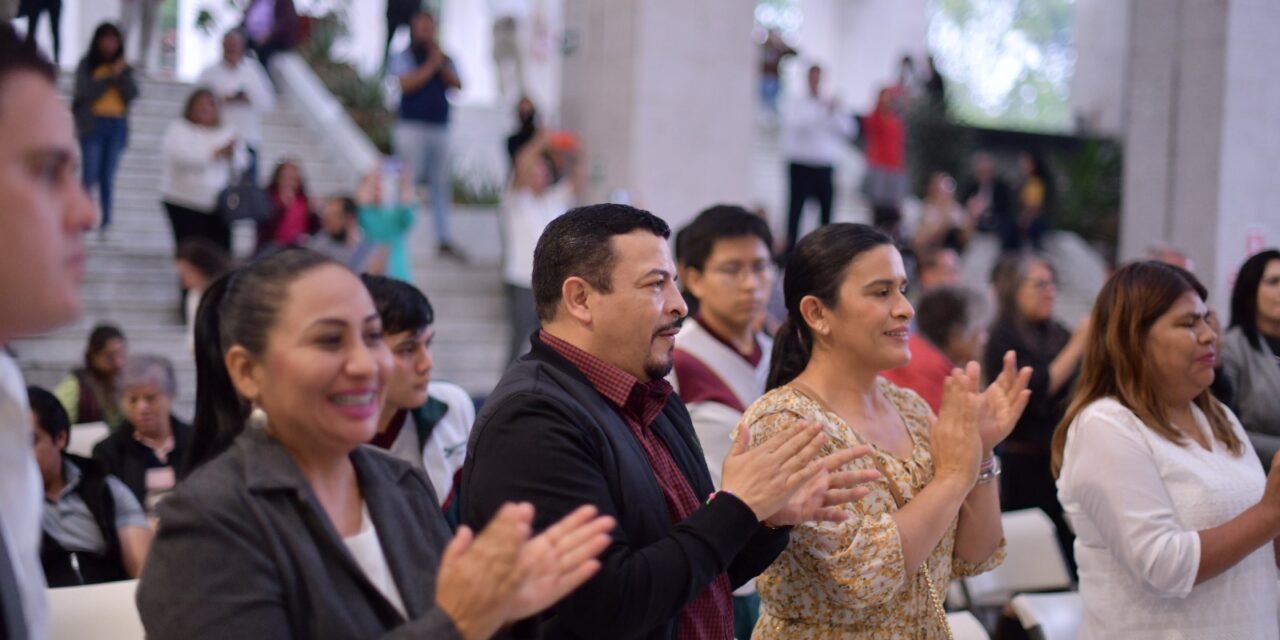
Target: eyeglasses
x=761, y=269
x=1042, y=285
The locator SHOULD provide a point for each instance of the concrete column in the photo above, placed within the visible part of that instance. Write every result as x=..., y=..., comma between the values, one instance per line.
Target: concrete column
x=1098, y=83
x=1200, y=146
x=663, y=95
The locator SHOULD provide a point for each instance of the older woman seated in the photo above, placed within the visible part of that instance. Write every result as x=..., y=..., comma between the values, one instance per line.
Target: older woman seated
x=149, y=449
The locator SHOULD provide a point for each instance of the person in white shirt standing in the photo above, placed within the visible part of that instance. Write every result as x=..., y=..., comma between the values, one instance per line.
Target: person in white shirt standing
x=200, y=153
x=812, y=138
x=1174, y=519
x=244, y=93
x=40, y=267
x=534, y=199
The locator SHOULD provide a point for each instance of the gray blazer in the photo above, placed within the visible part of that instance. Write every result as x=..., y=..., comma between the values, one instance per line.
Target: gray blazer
x=1256, y=376
x=244, y=550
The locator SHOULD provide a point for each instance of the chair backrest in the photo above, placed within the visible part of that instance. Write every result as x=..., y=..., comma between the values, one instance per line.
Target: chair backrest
x=85, y=436
x=1049, y=616
x=1033, y=562
x=101, y=611
x=964, y=626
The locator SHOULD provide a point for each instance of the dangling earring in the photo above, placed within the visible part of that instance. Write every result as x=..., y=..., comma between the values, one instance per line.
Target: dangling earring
x=257, y=418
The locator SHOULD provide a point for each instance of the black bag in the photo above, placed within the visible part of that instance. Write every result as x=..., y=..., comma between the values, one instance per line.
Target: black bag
x=243, y=200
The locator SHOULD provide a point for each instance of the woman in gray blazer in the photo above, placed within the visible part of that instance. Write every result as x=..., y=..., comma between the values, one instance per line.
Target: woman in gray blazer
x=289, y=527
x=1251, y=350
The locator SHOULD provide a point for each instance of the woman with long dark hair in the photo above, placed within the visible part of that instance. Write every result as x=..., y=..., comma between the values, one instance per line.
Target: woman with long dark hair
x=1251, y=350
x=1026, y=288
x=1174, y=515
x=92, y=392
x=288, y=526
x=292, y=218
x=104, y=89
x=936, y=516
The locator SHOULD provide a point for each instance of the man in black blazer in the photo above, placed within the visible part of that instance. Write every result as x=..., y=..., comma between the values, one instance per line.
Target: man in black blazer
x=587, y=416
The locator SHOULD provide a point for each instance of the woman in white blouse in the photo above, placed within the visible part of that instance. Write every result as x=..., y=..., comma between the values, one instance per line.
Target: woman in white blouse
x=1173, y=515
x=200, y=152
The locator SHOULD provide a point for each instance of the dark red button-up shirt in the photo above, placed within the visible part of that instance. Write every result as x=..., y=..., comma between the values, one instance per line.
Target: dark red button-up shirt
x=709, y=616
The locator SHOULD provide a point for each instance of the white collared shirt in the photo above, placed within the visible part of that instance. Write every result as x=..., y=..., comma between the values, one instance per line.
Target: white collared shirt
x=21, y=496
x=812, y=133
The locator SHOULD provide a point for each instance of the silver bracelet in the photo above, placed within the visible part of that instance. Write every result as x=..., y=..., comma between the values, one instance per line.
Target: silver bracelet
x=990, y=472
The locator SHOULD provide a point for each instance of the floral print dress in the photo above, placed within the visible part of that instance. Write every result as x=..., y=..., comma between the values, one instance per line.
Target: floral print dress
x=849, y=579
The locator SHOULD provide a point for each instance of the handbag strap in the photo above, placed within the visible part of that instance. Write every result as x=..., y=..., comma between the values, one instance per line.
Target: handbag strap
x=935, y=603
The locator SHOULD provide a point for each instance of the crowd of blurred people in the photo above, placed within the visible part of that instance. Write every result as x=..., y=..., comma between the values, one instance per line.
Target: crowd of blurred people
x=705, y=470
x=816, y=133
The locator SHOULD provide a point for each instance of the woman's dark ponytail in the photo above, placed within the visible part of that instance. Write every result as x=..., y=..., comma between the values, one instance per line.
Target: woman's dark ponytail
x=220, y=411
x=791, y=348
x=816, y=268
x=239, y=308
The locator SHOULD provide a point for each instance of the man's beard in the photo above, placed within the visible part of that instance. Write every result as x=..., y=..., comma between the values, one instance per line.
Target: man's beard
x=658, y=369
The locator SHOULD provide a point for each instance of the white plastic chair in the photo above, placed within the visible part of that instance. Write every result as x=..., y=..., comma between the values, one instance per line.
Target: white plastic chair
x=1033, y=562
x=85, y=436
x=964, y=626
x=1049, y=616
x=100, y=611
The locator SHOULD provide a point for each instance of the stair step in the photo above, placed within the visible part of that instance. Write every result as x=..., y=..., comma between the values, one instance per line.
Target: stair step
x=131, y=280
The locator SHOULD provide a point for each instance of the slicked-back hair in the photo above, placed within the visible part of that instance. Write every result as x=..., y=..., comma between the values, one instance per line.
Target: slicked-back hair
x=579, y=244
x=695, y=242
x=401, y=306
x=239, y=308
x=817, y=267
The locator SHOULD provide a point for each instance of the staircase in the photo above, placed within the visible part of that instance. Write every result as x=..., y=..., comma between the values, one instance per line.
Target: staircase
x=130, y=279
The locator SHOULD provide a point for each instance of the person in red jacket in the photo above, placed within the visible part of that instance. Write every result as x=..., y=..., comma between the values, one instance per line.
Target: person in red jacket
x=885, y=182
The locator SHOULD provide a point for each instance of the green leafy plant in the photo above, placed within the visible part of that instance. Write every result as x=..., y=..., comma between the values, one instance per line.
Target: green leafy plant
x=363, y=98
x=935, y=143
x=1090, y=203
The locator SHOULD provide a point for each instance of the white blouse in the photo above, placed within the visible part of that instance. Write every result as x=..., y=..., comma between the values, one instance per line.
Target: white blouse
x=1136, y=502
x=367, y=551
